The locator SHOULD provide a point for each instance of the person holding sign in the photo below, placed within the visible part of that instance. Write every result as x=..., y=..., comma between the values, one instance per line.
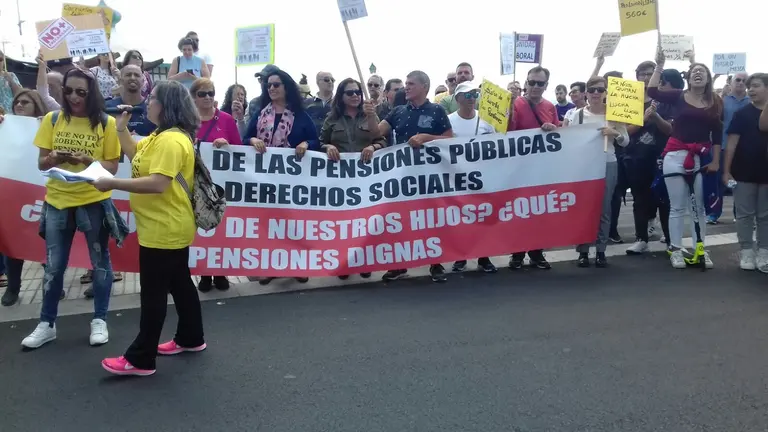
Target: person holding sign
x=699, y=112
x=616, y=134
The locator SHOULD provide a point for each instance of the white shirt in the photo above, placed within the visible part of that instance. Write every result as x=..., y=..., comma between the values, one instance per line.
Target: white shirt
x=466, y=127
x=599, y=121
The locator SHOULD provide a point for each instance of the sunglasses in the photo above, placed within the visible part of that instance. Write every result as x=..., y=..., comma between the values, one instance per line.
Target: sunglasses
x=274, y=85
x=374, y=85
x=22, y=102
x=202, y=94
x=738, y=79
x=326, y=79
x=80, y=92
x=351, y=93
x=535, y=83
x=596, y=90
x=471, y=95
x=451, y=80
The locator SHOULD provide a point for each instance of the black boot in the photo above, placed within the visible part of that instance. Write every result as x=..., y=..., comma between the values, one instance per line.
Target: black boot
x=9, y=298
x=583, y=260
x=601, y=261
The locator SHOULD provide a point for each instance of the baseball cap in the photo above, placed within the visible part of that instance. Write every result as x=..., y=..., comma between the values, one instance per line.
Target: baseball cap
x=465, y=87
x=268, y=70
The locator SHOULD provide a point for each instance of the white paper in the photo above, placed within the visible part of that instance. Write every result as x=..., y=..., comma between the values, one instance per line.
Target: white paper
x=254, y=45
x=87, y=42
x=352, y=9
x=94, y=172
x=675, y=47
x=525, y=50
x=725, y=64
x=507, y=51
x=607, y=44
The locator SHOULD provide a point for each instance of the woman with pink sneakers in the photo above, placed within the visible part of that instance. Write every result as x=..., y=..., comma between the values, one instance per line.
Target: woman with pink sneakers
x=165, y=224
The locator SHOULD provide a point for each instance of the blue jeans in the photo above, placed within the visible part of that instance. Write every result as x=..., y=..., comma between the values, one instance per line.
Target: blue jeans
x=60, y=227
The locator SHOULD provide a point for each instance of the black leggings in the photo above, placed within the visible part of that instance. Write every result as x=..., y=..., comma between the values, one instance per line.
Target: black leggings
x=161, y=272
x=639, y=175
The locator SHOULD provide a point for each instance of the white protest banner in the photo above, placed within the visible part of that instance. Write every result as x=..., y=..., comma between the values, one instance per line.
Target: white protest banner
x=507, y=53
x=452, y=199
x=87, y=42
x=677, y=47
x=607, y=44
x=352, y=9
x=725, y=64
x=255, y=45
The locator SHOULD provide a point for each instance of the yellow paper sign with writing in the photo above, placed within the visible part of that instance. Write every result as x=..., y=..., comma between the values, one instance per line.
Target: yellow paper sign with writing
x=494, y=105
x=71, y=9
x=637, y=16
x=626, y=101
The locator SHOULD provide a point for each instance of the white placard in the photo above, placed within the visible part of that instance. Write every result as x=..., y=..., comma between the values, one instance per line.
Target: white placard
x=607, y=44
x=94, y=172
x=87, y=42
x=254, y=45
x=352, y=9
x=725, y=64
x=675, y=47
x=525, y=51
x=507, y=51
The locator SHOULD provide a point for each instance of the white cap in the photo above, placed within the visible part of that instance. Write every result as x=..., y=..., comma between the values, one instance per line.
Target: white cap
x=465, y=87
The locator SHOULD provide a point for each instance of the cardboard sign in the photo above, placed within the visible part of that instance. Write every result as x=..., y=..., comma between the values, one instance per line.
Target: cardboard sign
x=71, y=9
x=626, y=101
x=54, y=45
x=725, y=64
x=607, y=44
x=637, y=16
x=494, y=105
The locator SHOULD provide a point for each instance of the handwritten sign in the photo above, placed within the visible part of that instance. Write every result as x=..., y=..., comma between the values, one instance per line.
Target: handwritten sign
x=626, y=101
x=677, y=47
x=637, y=16
x=55, y=33
x=507, y=53
x=352, y=9
x=607, y=44
x=255, y=45
x=725, y=64
x=494, y=105
x=77, y=29
x=71, y=9
x=529, y=48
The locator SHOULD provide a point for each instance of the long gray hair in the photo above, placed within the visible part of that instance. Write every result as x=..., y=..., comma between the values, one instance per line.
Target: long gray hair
x=179, y=109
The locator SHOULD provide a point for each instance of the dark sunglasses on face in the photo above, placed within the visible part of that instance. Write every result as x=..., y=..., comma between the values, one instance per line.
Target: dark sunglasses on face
x=80, y=92
x=472, y=95
x=535, y=83
x=274, y=85
x=738, y=79
x=596, y=90
x=374, y=85
x=22, y=102
x=202, y=94
x=451, y=80
x=351, y=93
x=326, y=79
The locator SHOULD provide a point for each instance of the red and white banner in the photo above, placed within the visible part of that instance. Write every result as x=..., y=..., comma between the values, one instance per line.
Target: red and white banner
x=453, y=199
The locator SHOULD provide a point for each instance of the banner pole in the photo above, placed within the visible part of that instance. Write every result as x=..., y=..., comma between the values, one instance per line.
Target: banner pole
x=357, y=63
x=235, y=74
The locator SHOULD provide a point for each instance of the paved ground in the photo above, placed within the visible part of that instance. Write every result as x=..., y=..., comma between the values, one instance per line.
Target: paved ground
x=125, y=293
x=635, y=347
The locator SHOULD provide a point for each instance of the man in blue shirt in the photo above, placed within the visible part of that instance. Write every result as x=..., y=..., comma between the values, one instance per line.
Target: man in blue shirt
x=417, y=123
x=130, y=94
x=713, y=186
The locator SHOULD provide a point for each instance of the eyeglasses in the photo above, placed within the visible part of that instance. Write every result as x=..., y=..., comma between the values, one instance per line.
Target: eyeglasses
x=738, y=79
x=535, y=83
x=451, y=80
x=596, y=90
x=22, y=102
x=202, y=94
x=374, y=85
x=351, y=93
x=80, y=92
x=471, y=95
x=274, y=85
x=327, y=79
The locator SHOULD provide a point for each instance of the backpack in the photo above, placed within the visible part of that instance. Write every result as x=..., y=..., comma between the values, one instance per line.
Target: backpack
x=208, y=204
x=104, y=119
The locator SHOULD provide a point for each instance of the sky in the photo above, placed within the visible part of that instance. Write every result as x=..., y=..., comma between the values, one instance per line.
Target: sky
x=399, y=36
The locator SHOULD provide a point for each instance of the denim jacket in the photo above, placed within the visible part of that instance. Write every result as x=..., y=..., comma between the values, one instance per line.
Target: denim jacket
x=118, y=230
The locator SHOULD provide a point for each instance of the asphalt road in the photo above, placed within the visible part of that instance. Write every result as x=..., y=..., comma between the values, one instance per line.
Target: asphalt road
x=636, y=347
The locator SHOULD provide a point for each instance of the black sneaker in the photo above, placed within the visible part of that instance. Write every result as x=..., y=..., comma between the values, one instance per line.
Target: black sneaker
x=459, y=266
x=266, y=280
x=437, y=272
x=486, y=265
x=344, y=277
x=538, y=261
x=615, y=238
x=302, y=280
x=601, y=261
x=365, y=275
x=221, y=283
x=516, y=261
x=205, y=284
x=9, y=298
x=88, y=293
x=583, y=260
x=393, y=275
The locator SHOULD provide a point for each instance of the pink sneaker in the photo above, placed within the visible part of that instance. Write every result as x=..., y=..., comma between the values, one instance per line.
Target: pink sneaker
x=172, y=348
x=120, y=366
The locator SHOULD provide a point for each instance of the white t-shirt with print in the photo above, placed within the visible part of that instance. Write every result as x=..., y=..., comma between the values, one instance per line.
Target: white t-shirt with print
x=466, y=127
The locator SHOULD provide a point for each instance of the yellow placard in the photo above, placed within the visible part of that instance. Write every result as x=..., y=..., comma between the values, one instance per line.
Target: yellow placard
x=626, y=101
x=71, y=9
x=494, y=105
x=637, y=16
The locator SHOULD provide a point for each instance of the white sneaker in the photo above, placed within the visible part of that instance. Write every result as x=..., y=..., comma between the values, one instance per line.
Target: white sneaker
x=663, y=238
x=762, y=260
x=677, y=259
x=708, y=261
x=651, y=227
x=747, y=259
x=99, y=332
x=43, y=334
x=639, y=247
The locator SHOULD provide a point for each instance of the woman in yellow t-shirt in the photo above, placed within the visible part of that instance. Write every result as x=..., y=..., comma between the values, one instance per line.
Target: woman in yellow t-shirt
x=165, y=224
x=72, y=139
